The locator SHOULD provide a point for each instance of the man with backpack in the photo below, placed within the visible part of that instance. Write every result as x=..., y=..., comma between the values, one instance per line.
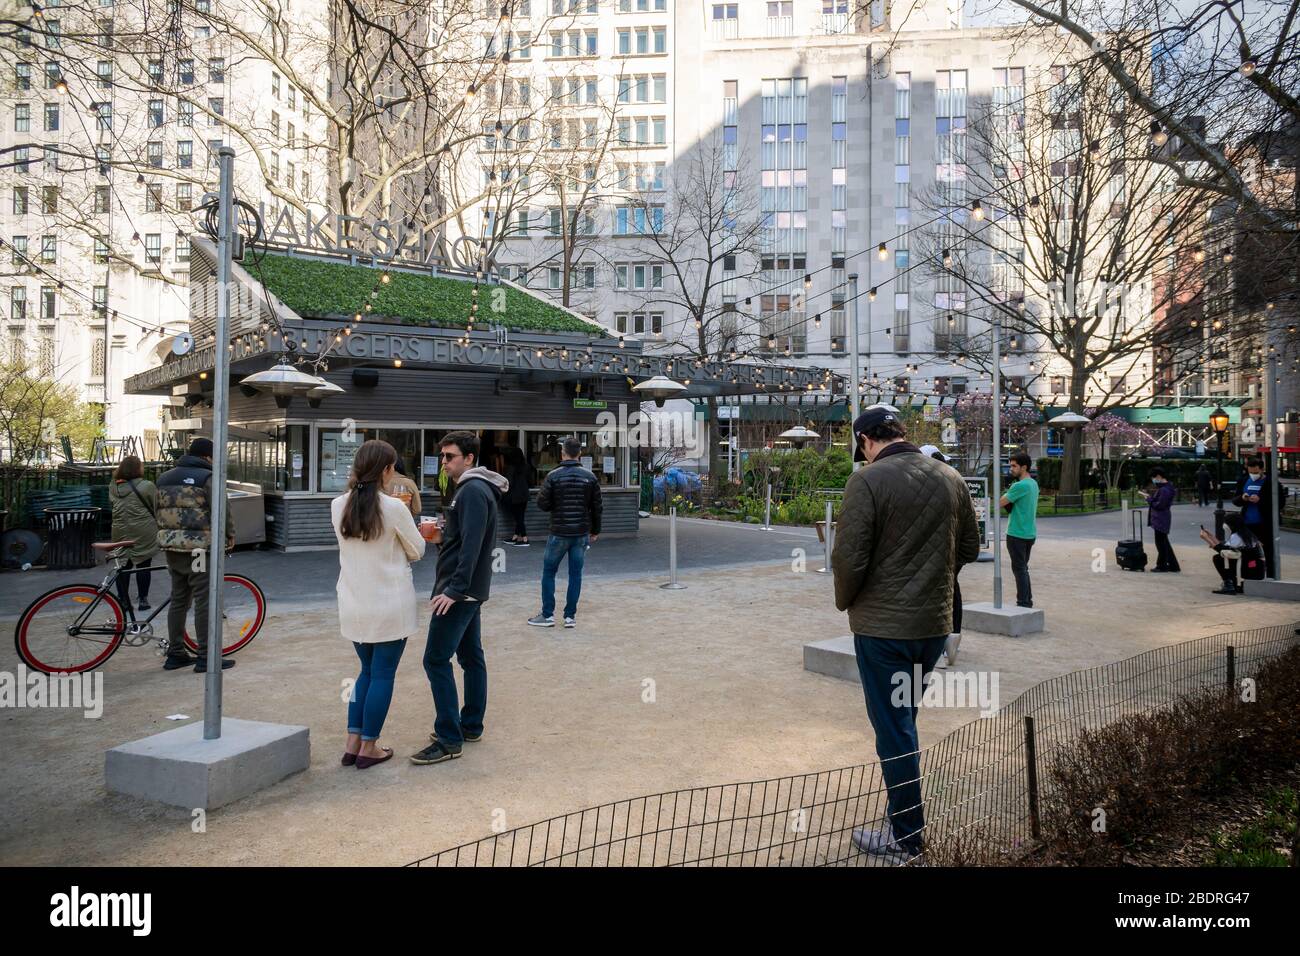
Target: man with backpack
x=185, y=537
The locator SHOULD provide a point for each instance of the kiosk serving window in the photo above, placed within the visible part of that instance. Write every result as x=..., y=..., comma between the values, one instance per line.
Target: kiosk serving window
x=543, y=453
x=277, y=462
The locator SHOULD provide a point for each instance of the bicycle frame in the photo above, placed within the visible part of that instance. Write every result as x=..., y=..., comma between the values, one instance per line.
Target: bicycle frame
x=78, y=627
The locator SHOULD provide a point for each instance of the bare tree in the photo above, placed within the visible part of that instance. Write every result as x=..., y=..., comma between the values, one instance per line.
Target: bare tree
x=709, y=240
x=1080, y=245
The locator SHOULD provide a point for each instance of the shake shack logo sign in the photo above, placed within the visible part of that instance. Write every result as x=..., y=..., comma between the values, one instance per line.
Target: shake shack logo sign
x=384, y=238
x=126, y=910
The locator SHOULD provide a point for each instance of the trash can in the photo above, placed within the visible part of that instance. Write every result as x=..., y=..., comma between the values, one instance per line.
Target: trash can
x=71, y=534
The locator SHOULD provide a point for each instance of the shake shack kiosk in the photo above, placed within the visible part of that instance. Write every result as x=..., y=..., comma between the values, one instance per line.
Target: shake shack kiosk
x=528, y=374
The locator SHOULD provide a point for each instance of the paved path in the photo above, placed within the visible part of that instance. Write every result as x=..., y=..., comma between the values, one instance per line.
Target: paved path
x=568, y=723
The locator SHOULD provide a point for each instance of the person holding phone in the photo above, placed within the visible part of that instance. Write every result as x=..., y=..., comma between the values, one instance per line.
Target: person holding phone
x=1256, y=503
x=1241, y=547
x=1159, y=519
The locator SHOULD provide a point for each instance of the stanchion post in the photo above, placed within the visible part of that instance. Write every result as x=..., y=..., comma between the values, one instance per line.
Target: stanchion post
x=672, y=584
x=826, y=540
x=767, y=508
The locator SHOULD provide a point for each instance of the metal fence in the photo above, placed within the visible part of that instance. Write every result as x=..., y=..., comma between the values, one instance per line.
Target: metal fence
x=981, y=785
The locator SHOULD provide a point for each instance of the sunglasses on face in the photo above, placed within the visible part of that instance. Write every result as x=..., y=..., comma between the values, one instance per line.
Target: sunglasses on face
x=449, y=455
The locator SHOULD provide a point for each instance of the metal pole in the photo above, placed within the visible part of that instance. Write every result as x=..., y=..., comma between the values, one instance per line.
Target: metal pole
x=220, y=402
x=997, y=461
x=826, y=539
x=1275, y=568
x=672, y=584
x=767, y=508
x=854, y=401
x=1218, y=456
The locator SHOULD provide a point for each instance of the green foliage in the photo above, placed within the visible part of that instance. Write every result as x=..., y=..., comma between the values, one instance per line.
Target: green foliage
x=1259, y=844
x=35, y=411
x=316, y=289
x=802, y=471
x=1181, y=471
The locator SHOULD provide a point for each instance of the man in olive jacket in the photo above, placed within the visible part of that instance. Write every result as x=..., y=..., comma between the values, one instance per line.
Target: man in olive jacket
x=906, y=525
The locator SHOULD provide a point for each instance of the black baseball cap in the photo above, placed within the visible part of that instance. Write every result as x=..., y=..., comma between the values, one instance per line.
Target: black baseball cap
x=873, y=416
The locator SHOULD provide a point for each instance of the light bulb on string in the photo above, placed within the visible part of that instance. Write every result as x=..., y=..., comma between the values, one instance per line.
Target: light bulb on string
x=881, y=252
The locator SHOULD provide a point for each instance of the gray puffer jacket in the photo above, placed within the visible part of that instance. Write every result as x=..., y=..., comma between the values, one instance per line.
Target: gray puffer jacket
x=906, y=525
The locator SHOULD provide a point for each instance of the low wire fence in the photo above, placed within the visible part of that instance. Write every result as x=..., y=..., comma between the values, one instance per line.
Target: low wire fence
x=981, y=789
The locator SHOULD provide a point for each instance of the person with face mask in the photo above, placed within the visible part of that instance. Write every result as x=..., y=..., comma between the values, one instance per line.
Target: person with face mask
x=1256, y=503
x=1159, y=519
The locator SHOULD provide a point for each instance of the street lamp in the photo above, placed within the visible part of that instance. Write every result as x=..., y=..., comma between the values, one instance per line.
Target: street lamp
x=1219, y=422
x=1101, y=430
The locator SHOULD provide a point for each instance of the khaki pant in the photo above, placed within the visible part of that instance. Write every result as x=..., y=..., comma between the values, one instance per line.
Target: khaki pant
x=188, y=587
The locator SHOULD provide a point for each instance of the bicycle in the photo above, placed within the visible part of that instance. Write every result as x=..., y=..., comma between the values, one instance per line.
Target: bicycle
x=55, y=634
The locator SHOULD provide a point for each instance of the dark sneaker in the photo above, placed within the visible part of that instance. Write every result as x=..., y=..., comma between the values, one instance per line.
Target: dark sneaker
x=176, y=663
x=1226, y=589
x=436, y=752
x=143, y=606
x=469, y=738
x=542, y=621
x=201, y=665
x=570, y=622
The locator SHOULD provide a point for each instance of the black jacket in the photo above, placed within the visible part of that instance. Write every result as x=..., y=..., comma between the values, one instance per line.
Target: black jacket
x=465, y=556
x=572, y=495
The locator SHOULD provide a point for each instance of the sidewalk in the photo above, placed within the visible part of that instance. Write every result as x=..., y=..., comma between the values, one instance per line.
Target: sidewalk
x=567, y=726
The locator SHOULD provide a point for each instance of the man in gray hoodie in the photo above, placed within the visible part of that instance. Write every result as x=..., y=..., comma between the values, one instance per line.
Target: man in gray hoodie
x=461, y=585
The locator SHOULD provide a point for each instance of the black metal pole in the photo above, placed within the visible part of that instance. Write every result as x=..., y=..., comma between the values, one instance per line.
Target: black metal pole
x=1218, y=511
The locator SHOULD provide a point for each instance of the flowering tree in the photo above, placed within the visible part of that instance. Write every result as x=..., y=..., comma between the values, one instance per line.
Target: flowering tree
x=973, y=419
x=1123, y=439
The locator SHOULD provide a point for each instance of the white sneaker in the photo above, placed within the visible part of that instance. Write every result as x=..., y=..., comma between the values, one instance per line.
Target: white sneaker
x=570, y=622
x=950, y=647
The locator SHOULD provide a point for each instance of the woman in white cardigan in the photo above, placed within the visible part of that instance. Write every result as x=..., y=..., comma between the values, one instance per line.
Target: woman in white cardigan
x=377, y=606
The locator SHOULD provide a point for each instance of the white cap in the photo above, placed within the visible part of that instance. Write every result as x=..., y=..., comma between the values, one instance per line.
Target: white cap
x=931, y=450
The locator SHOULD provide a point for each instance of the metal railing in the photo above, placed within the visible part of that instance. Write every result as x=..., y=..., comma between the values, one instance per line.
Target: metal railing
x=981, y=784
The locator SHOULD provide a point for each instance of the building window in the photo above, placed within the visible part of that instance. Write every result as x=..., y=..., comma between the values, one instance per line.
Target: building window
x=153, y=197
x=155, y=113
x=216, y=109
x=724, y=22
x=49, y=200
x=154, y=152
x=217, y=70
x=23, y=118
x=101, y=250
x=153, y=247
x=51, y=117
x=49, y=249
x=184, y=196
x=185, y=70
x=1058, y=384
x=101, y=200
x=20, y=200
x=23, y=76
x=185, y=154
x=20, y=250
x=104, y=71
x=49, y=303
x=639, y=323
x=182, y=247
x=18, y=303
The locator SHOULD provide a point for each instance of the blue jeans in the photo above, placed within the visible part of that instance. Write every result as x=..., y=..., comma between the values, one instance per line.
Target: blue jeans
x=373, y=691
x=556, y=548
x=897, y=743
x=456, y=632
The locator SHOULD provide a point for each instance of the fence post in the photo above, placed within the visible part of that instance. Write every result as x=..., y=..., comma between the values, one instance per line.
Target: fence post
x=767, y=509
x=1031, y=766
x=1232, y=668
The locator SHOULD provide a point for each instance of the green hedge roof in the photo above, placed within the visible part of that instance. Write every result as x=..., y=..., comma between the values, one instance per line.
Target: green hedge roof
x=317, y=289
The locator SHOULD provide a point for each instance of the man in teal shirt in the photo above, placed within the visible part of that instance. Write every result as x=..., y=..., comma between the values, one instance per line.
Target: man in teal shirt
x=1022, y=498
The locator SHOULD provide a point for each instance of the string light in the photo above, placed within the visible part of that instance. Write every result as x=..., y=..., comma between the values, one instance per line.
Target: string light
x=881, y=252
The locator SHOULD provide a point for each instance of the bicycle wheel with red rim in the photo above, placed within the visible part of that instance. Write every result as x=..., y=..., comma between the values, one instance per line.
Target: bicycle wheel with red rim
x=49, y=639
x=243, y=608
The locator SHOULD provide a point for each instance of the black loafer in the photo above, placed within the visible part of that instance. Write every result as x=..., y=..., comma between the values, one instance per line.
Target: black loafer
x=176, y=663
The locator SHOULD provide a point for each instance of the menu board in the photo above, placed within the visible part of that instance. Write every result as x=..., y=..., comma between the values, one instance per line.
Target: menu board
x=336, y=457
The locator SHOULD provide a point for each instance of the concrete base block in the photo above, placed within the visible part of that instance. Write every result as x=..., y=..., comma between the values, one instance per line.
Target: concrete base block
x=833, y=657
x=984, y=558
x=1276, y=590
x=180, y=768
x=1009, y=619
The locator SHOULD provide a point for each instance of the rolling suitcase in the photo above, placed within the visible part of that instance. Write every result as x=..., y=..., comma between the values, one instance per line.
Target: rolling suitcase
x=1129, y=554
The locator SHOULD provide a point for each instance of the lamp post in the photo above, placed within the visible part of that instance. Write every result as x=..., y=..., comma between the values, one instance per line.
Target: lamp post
x=1219, y=422
x=1101, y=430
